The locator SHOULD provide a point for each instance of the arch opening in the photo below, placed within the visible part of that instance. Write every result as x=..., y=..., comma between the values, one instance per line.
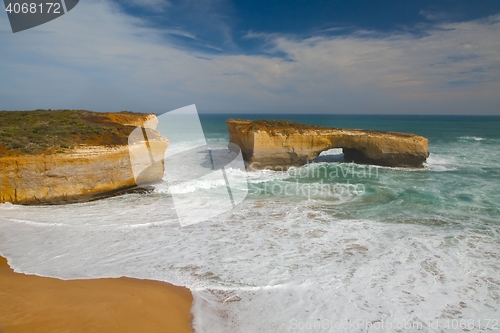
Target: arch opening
x=331, y=155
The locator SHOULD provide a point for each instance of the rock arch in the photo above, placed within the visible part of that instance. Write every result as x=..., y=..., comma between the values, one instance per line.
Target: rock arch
x=278, y=145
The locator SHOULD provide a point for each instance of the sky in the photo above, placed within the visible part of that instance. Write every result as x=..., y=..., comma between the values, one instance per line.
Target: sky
x=254, y=56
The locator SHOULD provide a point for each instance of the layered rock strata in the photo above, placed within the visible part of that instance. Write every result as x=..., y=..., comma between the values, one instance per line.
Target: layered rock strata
x=86, y=172
x=277, y=145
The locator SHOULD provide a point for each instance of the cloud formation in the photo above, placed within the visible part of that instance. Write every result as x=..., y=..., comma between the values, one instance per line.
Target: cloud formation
x=154, y=5
x=100, y=58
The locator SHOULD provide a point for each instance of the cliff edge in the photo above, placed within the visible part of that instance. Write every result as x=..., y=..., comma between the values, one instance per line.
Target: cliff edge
x=64, y=156
x=279, y=144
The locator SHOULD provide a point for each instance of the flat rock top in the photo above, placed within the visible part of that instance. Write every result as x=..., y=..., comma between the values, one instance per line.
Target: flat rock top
x=59, y=131
x=289, y=127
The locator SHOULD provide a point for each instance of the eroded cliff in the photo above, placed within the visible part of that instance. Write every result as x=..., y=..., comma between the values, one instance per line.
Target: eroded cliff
x=278, y=145
x=105, y=161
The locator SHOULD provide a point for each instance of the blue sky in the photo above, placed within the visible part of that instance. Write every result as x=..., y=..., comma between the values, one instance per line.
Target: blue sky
x=418, y=57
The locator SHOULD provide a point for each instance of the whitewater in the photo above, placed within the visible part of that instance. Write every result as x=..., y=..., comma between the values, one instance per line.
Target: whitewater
x=380, y=250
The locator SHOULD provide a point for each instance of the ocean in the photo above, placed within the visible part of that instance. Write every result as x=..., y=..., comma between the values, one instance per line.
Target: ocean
x=327, y=247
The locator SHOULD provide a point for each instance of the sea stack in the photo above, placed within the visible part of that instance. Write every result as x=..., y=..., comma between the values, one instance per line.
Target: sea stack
x=280, y=144
x=64, y=156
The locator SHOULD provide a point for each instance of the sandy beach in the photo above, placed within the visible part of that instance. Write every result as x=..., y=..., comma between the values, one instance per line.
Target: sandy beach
x=31, y=303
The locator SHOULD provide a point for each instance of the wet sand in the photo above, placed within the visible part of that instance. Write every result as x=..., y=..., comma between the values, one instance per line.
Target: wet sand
x=31, y=303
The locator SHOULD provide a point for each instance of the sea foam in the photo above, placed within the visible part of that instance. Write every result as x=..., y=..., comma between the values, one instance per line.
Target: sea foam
x=416, y=248
x=268, y=265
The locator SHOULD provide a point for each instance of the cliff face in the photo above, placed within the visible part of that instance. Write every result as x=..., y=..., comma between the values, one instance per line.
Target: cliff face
x=85, y=172
x=280, y=144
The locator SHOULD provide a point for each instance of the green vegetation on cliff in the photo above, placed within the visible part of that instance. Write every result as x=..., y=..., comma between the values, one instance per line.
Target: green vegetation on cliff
x=270, y=123
x=47, y=131
x=282, y=126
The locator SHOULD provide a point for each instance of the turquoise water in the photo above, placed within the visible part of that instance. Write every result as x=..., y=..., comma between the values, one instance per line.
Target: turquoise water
x=458, y=188
x=312, y=249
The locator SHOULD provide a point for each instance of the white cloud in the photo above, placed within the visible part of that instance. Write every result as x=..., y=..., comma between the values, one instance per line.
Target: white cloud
x=100, y=58
x=177, y=32
x=154, y=5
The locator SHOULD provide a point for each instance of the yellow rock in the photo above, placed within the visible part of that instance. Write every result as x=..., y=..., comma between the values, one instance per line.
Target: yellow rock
x=85, y=172
x=277, y=145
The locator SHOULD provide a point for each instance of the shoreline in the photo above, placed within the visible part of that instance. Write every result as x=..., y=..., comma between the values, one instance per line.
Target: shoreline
x=30, y=303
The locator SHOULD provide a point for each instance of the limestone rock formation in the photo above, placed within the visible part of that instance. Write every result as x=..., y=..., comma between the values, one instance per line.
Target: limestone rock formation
x=86, y=172
x=277, y=145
